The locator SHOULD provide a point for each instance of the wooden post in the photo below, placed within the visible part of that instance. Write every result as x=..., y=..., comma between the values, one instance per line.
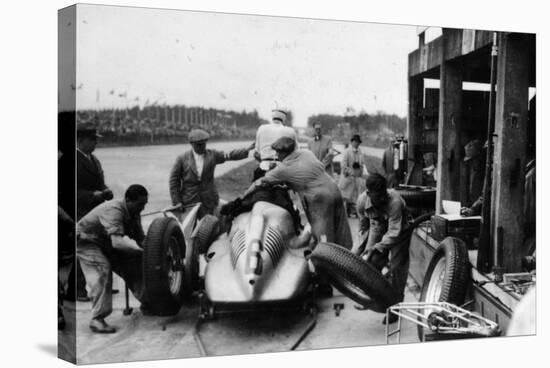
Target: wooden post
x=448, y=149
x=414, y=128
x=510, y=149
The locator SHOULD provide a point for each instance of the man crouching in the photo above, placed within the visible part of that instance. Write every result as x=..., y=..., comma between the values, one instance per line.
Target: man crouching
x=386, y=214
x=109, y=239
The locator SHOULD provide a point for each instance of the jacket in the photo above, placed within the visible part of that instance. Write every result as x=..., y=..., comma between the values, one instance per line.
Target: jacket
x=185, y=185
x=322, y=149
x=306, y=175
x=89, y=178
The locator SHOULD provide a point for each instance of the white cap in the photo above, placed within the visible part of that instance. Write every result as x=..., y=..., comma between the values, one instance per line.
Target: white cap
x=278, y=115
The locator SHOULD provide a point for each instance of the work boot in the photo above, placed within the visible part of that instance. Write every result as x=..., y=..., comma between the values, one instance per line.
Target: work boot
x=98, y=325
x=393, y=318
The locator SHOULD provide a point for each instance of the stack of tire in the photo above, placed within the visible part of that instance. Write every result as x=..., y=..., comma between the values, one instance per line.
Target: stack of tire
x=418, y=198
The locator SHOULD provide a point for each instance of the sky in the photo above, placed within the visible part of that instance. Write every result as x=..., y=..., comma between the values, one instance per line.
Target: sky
x=128, y=55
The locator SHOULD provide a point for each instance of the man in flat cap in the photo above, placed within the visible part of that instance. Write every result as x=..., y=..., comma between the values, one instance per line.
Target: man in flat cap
x=90, y=180
x=266, y=135
x=192, y=176
x=91, y=190
x=321, y=146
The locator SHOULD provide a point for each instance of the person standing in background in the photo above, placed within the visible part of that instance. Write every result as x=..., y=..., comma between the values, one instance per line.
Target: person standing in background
x=321, y=146
x=90, y=180
x=473, y=171
x=266, y=135
x=352, y=176
x=91, y=190
x=387, y=166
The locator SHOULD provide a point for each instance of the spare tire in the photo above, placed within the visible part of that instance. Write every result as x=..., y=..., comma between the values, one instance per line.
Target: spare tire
x=207, y=230
x=418, y=198
x=447, y=276
x=163, y=274
x=354, y=277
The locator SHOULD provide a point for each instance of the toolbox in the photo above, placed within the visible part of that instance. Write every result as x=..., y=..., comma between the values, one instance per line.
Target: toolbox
x=454, y=225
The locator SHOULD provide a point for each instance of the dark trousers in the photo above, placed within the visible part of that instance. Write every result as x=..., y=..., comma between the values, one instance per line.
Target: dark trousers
x=397, y=256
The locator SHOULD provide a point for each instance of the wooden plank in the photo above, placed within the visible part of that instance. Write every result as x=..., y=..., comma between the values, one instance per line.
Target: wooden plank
x=510, y=149
x=450, y=115
x=414, y=127
x=482, y=39
x=468, y=41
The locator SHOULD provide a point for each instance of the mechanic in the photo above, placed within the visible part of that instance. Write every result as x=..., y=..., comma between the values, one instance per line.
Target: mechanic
x=266, y=135
x=192, y=176
x=109, y=240
x=306, y=175
x=90, y=191
x=321, y=146
x=474, y=171
x=387, y=218
x=352, y=177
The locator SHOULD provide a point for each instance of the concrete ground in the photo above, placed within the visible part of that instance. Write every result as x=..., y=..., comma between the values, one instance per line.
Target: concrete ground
x=142, y=337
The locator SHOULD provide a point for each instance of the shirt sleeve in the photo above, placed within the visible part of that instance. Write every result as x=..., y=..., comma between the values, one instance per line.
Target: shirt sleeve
x=237, y=154
x=277, y=175
x=360, y=205
x=329, y=156
x=395, y=226
x=112, y=220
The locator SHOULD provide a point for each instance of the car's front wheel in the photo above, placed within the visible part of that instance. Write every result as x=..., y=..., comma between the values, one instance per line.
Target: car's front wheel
x=163, y=269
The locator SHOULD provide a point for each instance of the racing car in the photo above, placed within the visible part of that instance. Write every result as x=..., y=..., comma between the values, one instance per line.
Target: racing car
x=257, y=252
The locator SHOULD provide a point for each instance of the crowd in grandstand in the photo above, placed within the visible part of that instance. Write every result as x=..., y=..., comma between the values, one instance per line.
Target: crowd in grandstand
x=163, y=124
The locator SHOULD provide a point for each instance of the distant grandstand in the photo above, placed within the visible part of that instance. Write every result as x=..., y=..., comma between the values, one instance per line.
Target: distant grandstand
x=168, y=124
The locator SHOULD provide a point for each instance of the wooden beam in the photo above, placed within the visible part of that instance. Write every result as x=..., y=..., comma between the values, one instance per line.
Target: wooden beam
x=414, y=128
x=457, y=43
x=448, y=150
x=510, y=149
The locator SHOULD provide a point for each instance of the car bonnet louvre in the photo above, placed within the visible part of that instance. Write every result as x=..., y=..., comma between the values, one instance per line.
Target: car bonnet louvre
x=273, y=244
x=238, y=245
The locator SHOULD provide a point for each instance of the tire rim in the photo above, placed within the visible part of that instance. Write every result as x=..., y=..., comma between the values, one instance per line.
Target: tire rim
x=175, y=274
x=435, y=287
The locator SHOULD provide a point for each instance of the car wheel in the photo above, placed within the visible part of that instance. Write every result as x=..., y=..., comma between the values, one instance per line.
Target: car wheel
x=163, y=274
x=354, y=277
x=207, y=230
x=447, y=276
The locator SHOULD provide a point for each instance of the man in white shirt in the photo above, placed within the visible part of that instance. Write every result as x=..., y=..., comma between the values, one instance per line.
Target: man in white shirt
x=266, y=135
x=192, y=176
